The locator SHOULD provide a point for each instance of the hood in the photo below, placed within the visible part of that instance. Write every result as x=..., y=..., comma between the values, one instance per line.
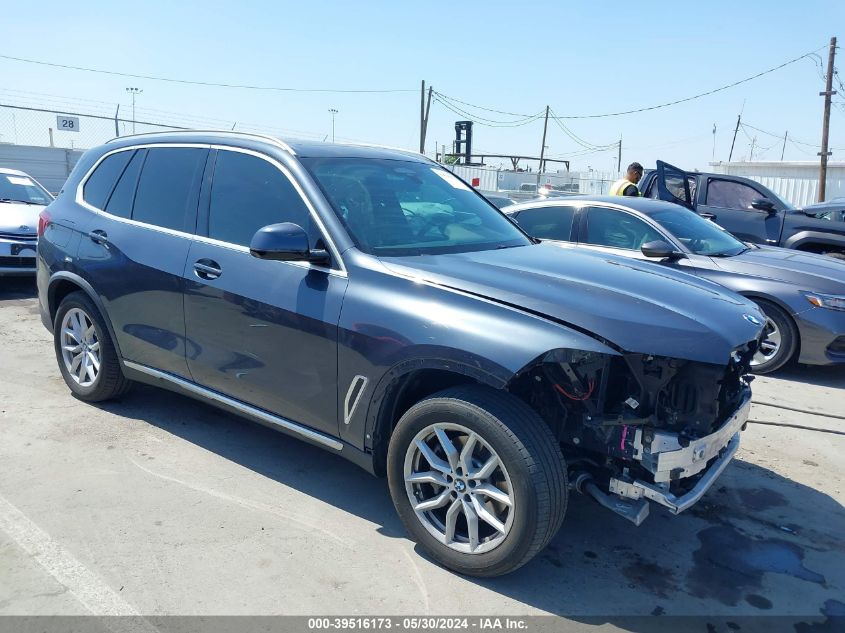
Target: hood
x=14, y=215
x=637, y=306
x=807, y=271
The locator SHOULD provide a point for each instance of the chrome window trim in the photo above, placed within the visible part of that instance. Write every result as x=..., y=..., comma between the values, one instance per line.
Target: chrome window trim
x=246, y=409
x=340, y=271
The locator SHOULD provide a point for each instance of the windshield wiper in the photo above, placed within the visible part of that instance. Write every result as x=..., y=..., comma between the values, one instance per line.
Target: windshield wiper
x=11, y=200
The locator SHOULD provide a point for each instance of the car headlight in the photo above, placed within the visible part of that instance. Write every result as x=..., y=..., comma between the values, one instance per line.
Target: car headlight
x=834, y=302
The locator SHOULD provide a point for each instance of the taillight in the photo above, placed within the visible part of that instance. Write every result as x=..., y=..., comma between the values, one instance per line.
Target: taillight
x=43, y=222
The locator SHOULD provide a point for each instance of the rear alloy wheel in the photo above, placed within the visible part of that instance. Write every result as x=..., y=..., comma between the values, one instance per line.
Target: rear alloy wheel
x=780, y=340
x=86, y=355
x=478, y=479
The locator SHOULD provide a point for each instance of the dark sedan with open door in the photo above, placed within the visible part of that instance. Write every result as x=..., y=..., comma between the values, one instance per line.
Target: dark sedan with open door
x=802, y=294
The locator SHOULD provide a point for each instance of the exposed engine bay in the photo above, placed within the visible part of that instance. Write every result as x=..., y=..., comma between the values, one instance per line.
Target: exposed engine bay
x=634, y=426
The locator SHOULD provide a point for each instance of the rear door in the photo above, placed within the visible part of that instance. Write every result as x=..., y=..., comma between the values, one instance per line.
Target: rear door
x=145, y=203
x=264, y=332
x=673, y=185
x=728, y=203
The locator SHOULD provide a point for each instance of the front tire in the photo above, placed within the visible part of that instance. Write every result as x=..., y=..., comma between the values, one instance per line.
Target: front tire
x=85, y=352
x=780, y=341
x=478, y=479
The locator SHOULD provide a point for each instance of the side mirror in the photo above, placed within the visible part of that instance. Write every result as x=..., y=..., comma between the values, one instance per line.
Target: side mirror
x=658, y=249
x=286, y=242
x=762, y=204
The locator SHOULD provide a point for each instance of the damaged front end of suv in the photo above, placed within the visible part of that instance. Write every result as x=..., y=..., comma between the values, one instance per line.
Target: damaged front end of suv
x=636, y=427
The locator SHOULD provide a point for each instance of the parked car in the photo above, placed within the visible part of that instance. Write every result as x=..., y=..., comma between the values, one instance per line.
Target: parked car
x=21, y=200
x=833, y=210
x=497, y=199
x=370, y=302
x=750, y=211
x=802, y=294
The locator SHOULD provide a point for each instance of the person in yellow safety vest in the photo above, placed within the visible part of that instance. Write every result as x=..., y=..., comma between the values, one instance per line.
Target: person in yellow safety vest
x=627, y=186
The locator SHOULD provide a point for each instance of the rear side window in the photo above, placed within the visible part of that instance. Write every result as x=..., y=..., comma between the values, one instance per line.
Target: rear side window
x=548, y=223
x=169, y=187
x=726, y=194
x=100, y=184
x=248, y=193
x=120, y=202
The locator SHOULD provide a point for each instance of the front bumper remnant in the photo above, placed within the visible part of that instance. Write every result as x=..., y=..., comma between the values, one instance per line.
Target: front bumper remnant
x=669, y=461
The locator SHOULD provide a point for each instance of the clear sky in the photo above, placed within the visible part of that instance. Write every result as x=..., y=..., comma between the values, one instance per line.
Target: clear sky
x=582, y=58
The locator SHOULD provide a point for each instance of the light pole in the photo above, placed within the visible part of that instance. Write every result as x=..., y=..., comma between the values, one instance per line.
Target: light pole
x=333, y=112
x=133, y=92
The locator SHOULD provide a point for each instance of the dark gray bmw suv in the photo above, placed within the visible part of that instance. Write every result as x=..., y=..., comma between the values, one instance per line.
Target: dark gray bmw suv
x=367, y=300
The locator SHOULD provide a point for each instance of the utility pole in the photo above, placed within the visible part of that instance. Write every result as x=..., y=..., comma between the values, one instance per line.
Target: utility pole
x=332, y=111
x=133, y=92
x=619, y=156
x=422, y=118
x=751, y=154
x=425, y=122
x=733, y=142
x=783, y=149
x=827, y=94
x=713, y=153
x=543, y=146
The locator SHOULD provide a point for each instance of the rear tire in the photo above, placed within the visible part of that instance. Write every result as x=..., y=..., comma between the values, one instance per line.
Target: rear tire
x=524, y=494
x=780, y=344
x=84, y=350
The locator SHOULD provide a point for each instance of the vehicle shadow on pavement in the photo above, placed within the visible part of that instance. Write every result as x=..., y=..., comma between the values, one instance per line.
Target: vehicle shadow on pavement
x=757, y=544
x=819, y=375
x=17, y=288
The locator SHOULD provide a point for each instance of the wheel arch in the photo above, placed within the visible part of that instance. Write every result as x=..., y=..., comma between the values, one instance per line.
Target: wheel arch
x=409, y=382
x=812, y=240
x=64, y=283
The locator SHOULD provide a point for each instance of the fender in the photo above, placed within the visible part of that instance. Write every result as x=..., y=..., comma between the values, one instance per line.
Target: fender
x=64, y=275
x=814, y=237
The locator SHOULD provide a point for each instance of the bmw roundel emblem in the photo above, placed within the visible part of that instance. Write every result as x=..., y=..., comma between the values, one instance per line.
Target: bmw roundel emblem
x=753, y=320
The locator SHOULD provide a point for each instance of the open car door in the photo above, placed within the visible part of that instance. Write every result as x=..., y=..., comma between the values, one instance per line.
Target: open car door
x=673, y=185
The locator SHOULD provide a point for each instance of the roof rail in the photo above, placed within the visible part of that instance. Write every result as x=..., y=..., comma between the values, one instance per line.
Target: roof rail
x=272, y=139
x=390, y=147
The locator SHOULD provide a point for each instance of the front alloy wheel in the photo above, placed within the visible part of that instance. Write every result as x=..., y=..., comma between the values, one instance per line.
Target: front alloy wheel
x=477, y=478
x=459, y=488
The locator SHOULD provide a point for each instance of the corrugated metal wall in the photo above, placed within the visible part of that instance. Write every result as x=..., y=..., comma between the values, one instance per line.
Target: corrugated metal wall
x=48, y=165
x=796, y=182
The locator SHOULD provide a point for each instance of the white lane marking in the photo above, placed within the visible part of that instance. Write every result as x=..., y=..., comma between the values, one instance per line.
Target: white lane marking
x=91, y=591
x=253, y=505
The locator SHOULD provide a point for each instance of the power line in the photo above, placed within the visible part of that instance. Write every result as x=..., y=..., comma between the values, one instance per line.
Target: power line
x=196, y=83
x=660, y=105
x=780, y=136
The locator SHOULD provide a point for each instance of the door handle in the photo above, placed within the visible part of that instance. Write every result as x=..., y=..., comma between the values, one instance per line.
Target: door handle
x=207, y=269
x=707, y=216
x=99, y=236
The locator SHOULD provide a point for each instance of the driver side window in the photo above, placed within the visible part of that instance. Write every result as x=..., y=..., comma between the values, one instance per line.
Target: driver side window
x=248, y=193
x=618, y=229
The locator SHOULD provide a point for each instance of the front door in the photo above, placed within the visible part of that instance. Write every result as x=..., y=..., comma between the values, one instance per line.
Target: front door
x=729, y=204
x=263, y=332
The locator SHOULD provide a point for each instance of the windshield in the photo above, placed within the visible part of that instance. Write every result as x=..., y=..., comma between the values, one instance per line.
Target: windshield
x=698, y=235
x=395, y=208
x=23, y=189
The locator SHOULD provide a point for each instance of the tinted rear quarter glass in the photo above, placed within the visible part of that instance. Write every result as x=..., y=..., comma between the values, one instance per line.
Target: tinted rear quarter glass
x=120, y=202
x=548, y=223
x=248, y=193
x=100, y=184
x=169, y=187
